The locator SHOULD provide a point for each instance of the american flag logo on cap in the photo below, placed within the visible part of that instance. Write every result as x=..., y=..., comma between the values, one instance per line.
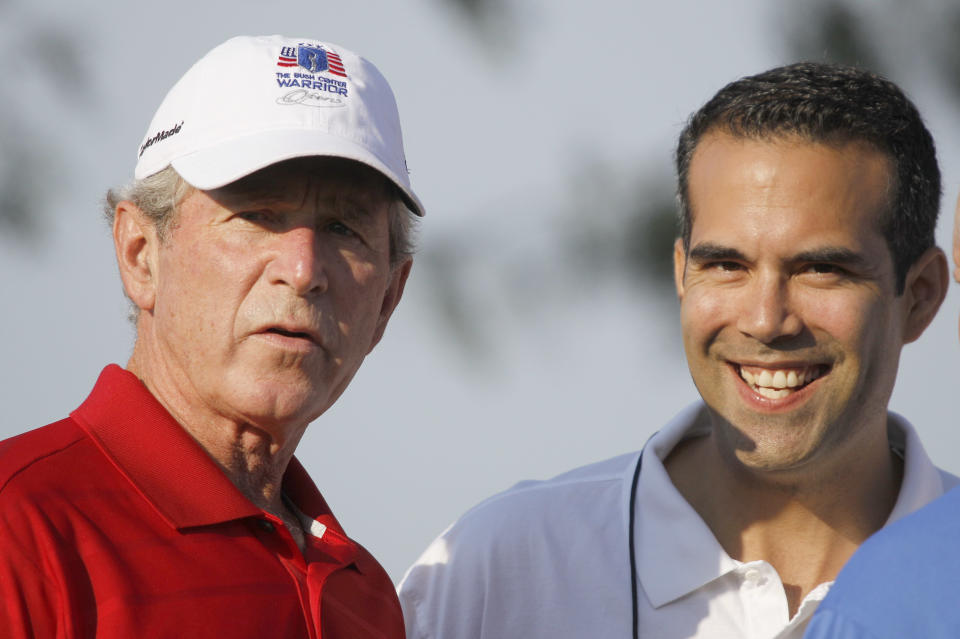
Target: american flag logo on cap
x=288, y=57
x=335, y=64
x=313, y=59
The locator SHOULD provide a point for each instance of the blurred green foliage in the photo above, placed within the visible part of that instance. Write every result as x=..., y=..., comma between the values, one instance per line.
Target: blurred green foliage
x=630, y=237
x=29, y=152
x=632, y=210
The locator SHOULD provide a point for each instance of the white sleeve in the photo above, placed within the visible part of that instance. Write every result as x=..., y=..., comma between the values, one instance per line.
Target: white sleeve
x=442, y=594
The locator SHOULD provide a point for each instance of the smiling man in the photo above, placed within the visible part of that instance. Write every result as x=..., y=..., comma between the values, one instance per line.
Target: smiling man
x=264, y=245
x=805, y=262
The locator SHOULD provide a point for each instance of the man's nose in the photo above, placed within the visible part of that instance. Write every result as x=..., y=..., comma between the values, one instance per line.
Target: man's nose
x=767, y=311
x=299, y=262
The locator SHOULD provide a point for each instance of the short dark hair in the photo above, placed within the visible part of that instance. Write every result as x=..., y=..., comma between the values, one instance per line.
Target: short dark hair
x=831, y=104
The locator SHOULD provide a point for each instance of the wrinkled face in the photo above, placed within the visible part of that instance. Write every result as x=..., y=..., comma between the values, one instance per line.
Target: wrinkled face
x=272, y=290
x=791, y=325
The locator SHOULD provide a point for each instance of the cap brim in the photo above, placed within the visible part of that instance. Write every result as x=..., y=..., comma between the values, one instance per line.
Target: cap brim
x=229, y=161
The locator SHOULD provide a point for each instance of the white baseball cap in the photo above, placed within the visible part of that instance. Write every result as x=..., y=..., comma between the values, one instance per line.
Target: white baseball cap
x=255, y=101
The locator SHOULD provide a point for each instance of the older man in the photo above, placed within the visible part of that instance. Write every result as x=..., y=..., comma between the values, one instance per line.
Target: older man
x=809, y=197
x=904, y=582
x=264, y=246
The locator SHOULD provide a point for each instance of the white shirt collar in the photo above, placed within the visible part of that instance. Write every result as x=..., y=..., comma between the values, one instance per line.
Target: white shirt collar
x=677, y=552
x=922, y=482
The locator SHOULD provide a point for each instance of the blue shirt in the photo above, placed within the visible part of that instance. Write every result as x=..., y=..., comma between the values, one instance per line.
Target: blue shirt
x=903, y=582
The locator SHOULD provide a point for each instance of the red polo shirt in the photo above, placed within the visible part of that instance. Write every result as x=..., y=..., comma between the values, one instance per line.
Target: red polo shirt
x=115, y=523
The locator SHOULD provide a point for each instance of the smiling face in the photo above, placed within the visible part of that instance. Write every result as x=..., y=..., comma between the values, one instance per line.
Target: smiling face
x=267, y=294
x=791, y=325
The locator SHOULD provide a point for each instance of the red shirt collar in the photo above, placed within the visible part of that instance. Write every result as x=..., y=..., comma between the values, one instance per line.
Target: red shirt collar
x=172, y=471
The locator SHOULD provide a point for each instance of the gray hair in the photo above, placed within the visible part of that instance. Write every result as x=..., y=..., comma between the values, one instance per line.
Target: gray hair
x=159, y=195
x=402, y=226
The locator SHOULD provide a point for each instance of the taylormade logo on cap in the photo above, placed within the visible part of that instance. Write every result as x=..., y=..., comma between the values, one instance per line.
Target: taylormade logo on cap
x=163, y=135
x=255, y=101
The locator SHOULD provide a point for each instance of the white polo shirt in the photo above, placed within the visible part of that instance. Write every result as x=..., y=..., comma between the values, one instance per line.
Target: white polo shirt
x=550, y=558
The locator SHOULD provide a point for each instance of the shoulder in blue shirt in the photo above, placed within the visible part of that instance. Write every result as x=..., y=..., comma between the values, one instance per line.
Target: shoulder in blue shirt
x=903, y=582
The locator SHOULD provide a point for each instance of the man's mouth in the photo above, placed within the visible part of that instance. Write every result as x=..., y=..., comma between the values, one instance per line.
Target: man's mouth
x=290, y=333
x=777, y=383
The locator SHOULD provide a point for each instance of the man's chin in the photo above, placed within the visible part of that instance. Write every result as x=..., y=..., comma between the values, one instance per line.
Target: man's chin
x=770, y=441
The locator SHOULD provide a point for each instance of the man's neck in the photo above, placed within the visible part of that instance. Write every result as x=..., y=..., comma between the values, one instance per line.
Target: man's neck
x=255, y=464
x=256, y=468
x=806, y=526
x=253, y=458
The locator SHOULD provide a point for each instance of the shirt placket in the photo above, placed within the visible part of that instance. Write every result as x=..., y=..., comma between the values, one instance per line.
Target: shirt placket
x=764, y=599
x=325, y=554
x=309, y=571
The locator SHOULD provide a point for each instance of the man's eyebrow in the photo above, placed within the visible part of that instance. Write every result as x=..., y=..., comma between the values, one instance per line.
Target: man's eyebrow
x=351, y=206
x=247, y=191
x=354, y=208
x=831, y=255
x=710, y=252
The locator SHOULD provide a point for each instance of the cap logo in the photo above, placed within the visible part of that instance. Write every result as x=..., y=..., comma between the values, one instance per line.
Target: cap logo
x=162, y=135
x=313, y=59
x=311, y=86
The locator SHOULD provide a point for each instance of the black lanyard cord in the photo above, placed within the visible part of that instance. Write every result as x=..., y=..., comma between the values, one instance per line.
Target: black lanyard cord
x=633, y=554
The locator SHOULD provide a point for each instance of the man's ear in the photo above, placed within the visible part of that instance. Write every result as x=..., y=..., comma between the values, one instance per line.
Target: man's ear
x=956, y=257
x=135, y=242
x=679, y=265
x=391, y=297
x=924, y=290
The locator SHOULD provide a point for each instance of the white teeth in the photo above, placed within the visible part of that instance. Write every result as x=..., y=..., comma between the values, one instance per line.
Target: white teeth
x=772, y=393
x=764, y=379
x=779, y=380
